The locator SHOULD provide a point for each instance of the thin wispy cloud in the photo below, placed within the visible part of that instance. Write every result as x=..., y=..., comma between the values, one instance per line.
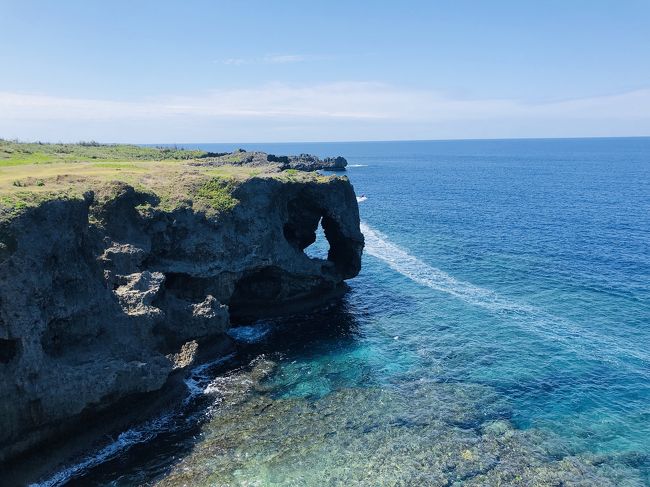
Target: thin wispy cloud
x=284, y=59
x=268, y=59
x=234, y=61
x=373, y=110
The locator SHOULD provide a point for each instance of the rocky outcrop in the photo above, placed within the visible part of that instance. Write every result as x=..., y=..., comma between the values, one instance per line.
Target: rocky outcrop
x=301, y=162
x=102, y=297
x=309, y=162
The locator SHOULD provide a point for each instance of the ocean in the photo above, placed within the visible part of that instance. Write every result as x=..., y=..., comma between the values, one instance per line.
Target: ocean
x=499, y=331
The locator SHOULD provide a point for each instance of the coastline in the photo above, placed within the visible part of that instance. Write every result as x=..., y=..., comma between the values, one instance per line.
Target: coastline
x=430, y=309
x=167, y=252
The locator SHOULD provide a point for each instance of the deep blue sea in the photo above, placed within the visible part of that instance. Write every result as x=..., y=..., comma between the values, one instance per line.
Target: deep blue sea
x=505, y=287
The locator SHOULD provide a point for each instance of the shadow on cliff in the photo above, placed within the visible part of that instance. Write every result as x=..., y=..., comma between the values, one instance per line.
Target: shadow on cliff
x=300, y=334
x=285, y=340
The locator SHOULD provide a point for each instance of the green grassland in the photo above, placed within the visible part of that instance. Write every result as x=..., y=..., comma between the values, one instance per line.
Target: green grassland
x=18, y=153
x=31, y=173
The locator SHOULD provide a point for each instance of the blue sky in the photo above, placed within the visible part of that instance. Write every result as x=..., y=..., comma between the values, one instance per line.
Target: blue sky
x=210, y=71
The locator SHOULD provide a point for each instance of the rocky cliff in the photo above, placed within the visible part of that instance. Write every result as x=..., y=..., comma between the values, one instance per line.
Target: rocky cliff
x=103, y=295
x=301, y=162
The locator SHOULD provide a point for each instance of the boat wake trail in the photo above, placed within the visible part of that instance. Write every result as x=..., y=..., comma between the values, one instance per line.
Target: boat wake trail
x=580, y=339
x=378, y=245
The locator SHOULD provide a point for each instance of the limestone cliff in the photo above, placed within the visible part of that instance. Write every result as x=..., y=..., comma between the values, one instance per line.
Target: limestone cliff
x=300, y=162
x=99, y=293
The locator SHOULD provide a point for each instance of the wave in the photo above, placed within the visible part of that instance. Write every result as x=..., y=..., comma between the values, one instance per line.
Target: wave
x=378, y=245
x=198, y=383
x=250, y=334
x=357, y=165
x=579, y=339
x=123, y=442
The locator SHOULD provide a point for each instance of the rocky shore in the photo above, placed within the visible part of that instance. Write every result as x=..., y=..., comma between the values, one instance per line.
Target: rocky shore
x=301, y=162
x=111, y=286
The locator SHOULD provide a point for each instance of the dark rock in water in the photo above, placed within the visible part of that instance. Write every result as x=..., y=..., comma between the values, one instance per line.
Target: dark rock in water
x=101, y=298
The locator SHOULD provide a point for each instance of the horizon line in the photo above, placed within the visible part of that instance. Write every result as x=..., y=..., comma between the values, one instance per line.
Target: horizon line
x=367, y=141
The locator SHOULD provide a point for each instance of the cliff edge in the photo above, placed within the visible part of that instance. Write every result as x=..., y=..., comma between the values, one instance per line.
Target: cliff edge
x=107, y=286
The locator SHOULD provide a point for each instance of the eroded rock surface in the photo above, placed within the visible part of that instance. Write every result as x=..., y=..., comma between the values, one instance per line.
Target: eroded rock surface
x=102, y=297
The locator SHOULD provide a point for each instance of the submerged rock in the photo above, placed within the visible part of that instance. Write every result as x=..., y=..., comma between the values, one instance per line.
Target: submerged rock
x=419, y=435
x=102, y=297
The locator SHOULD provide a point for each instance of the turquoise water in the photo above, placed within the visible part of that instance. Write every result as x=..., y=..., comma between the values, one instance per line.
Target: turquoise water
x=504, y=283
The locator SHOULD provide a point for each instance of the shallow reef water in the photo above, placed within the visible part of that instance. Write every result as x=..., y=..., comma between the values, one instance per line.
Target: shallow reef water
x=417, y=434
x=497, y=335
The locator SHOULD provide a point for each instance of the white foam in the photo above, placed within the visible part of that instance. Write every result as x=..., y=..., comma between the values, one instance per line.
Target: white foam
x=198, y=383
x=357, y=165
x=250, y=334
x=199, y=379
x=123, y=442
x=577, y=338
x=378, y=245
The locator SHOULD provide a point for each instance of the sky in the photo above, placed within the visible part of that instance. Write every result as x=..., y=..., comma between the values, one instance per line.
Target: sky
x=258, y=71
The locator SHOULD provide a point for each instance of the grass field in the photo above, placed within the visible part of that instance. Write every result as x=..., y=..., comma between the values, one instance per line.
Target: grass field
x=20, y=153
x=31, y=173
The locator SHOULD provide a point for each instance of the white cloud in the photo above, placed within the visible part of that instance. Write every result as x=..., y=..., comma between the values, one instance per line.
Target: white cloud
x=234, y=61
x=333, y=111
x=284, y=59
x=268, y=59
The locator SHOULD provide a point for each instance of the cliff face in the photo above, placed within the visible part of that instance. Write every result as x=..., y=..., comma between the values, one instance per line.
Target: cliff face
x=99, y=294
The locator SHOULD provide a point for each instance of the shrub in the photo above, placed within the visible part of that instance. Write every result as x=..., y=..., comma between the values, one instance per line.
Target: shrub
x=217, y=194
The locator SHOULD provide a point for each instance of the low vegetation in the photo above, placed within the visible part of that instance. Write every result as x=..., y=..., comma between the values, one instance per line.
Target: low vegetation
x=216, y=194
x=31, y=173
x=18, y=153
